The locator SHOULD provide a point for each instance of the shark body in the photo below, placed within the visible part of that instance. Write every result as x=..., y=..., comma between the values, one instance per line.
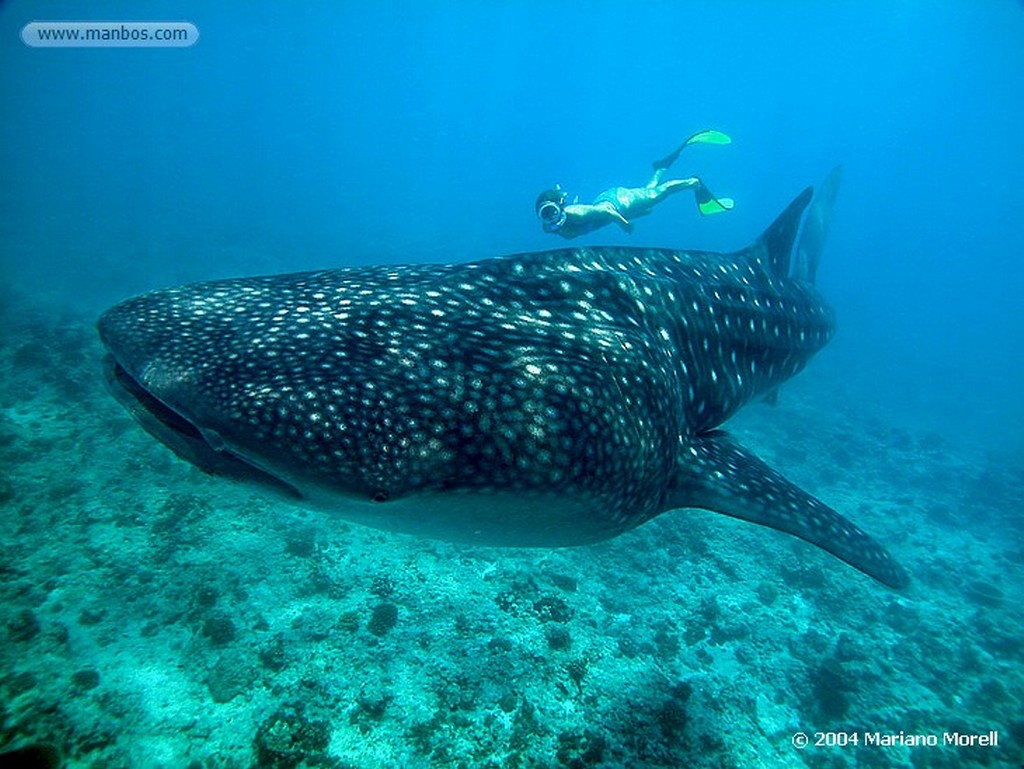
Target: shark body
x=541, y=399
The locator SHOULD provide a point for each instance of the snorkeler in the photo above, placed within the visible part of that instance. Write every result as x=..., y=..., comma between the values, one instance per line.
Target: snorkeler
x=623, y=204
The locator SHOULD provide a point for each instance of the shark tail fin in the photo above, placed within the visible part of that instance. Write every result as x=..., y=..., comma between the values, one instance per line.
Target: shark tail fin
x=716, y=473
x=774, y=248
x=815, y=230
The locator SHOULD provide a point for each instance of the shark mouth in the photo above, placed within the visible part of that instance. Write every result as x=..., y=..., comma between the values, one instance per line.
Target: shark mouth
x=182, y=436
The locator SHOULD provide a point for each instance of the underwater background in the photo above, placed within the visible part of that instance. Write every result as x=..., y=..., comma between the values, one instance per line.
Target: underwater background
x=153, y=616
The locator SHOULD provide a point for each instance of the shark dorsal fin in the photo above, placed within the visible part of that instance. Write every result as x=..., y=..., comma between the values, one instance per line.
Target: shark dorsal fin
x=775, y=246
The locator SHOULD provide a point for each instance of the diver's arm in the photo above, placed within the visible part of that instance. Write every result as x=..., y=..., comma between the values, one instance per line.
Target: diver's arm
x=581, y=218
x=626, y=199
x=622, y=220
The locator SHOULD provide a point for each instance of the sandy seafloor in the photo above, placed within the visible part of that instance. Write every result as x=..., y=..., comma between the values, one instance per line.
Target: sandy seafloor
x=153, y=616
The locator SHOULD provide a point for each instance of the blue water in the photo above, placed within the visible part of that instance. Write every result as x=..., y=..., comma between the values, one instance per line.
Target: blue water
x=333, y=134
x=345, y=133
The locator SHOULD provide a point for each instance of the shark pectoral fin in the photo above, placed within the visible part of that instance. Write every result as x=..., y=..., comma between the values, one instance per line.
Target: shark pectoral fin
x=718, y=474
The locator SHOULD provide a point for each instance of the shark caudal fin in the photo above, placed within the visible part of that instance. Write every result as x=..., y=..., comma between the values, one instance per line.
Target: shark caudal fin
x=812, y=238
x=716, y=473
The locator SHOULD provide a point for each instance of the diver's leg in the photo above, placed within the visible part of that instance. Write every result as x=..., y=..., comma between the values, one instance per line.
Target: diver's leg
x=666, y=162
x=659, y=174
x=707, y=202
x=664, y=189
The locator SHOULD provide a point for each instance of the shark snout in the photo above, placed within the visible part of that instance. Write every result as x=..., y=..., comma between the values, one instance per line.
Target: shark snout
x=137, y=330
x=147, y=338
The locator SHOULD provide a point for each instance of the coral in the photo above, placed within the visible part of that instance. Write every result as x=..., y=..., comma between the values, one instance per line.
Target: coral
x=19, y=683
x=24, y=626
x=666, y=642
x=671, y=718
x=508, y=601
x=348, y=622
x=273, y=655
x=508, y=701
x=220, y=630
x=577, y=670
x=767, y=593
x=91, y=616
x=383, y=619
x=206, y=596
x=694, y=633
x=369, y=708
x=499, y=644
x=578, y=751
x=85, y=679
x=551, y=608
x=564, y=582
x=559, y=638
x=315, y=623
x=232, y=675
x=382, y=586
x=831, y=688
x=301, y=542
x=288, y=737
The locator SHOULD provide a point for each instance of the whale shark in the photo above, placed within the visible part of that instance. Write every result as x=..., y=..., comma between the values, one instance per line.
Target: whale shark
x=542, y=399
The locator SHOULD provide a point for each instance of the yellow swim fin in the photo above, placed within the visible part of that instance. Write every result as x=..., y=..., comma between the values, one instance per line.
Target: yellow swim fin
x=708, y=204
x=709, y=136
